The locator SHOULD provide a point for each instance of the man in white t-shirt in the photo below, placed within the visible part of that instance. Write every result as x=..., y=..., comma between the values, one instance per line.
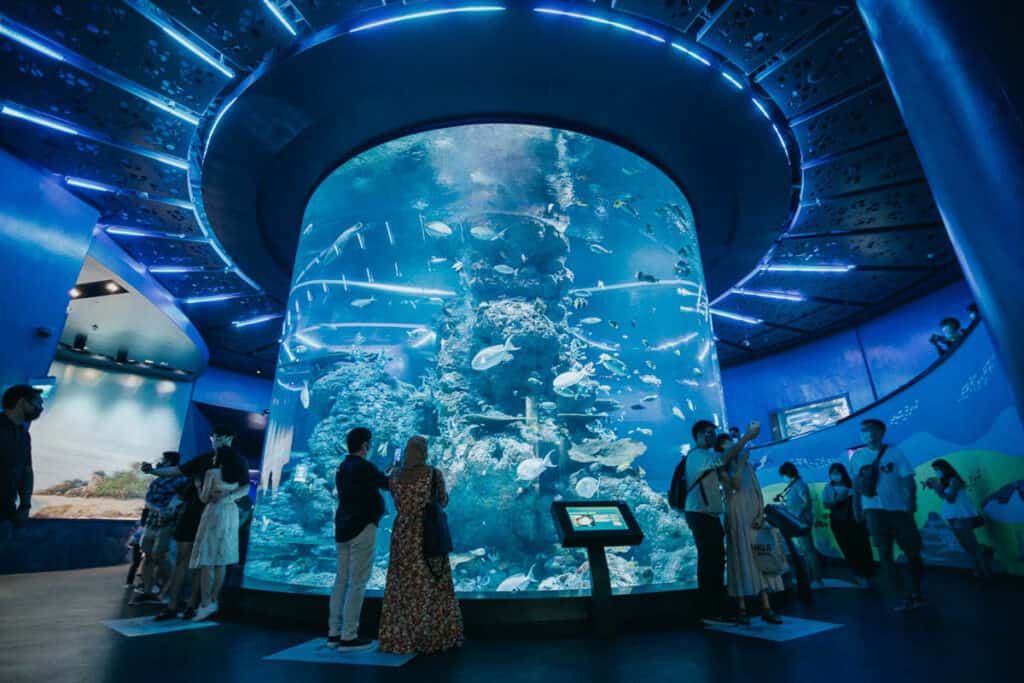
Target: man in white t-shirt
x=704, y=510
x=889, y=504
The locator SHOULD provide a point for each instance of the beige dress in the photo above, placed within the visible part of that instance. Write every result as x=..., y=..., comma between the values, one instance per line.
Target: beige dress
x=216, y=542
x=744, y=507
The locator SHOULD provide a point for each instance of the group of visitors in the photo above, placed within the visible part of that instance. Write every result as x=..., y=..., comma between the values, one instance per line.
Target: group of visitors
x=877, y=502
x=420, y=613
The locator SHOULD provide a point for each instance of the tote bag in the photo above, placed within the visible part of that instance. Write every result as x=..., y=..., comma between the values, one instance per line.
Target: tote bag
x=769, y=554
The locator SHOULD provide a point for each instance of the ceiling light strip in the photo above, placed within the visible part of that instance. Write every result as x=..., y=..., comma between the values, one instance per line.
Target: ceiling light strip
x=167, y=24
x=31, y=42
x=807, y=268
x=736, y=316
x=44, y=121
x=213, y=298
x=257, y=320
x=279, y=15
x=691, y=54
x=126, y=231
x=87, y=184
x=429, y=13
x=778, y=296
x=601, y=20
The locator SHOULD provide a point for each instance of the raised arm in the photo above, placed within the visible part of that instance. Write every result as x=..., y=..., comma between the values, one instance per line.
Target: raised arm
x=753, y=429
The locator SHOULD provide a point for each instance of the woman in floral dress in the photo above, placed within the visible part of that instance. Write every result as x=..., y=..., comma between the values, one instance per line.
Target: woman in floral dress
x=420, y=614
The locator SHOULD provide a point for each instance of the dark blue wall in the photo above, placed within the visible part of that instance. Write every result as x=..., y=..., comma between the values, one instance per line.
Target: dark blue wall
x=44, y=235
x=895, y=350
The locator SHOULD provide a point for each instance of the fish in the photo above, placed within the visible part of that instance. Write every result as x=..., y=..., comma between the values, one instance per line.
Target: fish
x=580, y=202
x=421, y=337
x=638, y=406
x=304, y=395
x=504, y=269
x=457, y=266
x=517, y=582
x=438, y=259
x=360, y=303
x=650, y=379
x=461, y=558
x=493, y=355
x=689, y=404
x=641, y=471
x=548, y=405
x=569, y=275
x=579, y=303
x=645, y=277
x=644, y=430
x=614, y=324
x=587, y=487
x=688, y=382
x=618, y=453
x=531, y=468
x=678, y=352
x=590, y=321
x=600, y=284
x=612, y=364
x=486, y=233
x=572, y=377
x=649, y=398
x=678, y=413
x=599, y=248
x=626, y=206
x=604, y=387
x=420, y=204
x=650, y=364
x=438, y=229
x=649, y=230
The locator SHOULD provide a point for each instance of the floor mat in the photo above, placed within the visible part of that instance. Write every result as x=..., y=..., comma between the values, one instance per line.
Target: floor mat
x=839, y=583
x=316, y=650
x=791, y=628
x=145, y=626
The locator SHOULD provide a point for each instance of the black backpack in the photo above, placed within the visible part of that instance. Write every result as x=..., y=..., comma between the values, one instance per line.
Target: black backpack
x=678, y=490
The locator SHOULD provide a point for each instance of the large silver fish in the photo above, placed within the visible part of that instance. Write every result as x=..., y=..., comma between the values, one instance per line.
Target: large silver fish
x=572, y=377
x=493, y=355
x=438, y=229
x=517, y=582
x=531, y=468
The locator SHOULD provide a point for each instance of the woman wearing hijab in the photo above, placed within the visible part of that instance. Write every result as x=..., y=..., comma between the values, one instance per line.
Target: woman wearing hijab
x=420, y=614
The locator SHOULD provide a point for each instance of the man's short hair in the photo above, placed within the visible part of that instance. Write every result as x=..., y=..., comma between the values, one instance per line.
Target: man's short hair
x=173, y=457
x=357, y=438
x=788, y=469
x=18, y=392
x=872, y=422
x=700, y=426
x=222, y=430
x=952, y=322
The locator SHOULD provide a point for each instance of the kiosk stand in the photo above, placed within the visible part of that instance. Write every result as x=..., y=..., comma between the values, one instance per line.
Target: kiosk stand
x=595, y=525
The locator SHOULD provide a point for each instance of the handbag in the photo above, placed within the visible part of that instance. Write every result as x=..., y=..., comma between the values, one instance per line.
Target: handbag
x=769, y=554
x=867, y=476
x=786, y=522
x=437, y=538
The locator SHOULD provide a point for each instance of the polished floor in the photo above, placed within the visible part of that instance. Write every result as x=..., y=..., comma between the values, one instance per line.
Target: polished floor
x=51, y=631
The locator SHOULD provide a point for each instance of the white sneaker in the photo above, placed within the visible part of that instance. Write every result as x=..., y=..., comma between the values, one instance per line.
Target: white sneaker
x=204, y=613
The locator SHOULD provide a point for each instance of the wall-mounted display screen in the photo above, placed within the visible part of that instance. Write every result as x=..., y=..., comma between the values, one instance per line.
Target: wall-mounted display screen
x=811, y=416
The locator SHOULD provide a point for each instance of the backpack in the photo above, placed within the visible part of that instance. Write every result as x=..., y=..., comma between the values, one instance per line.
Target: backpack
x=678, y=490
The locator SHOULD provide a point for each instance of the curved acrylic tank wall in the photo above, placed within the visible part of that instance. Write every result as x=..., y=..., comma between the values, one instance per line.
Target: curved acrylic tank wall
x=530, y=299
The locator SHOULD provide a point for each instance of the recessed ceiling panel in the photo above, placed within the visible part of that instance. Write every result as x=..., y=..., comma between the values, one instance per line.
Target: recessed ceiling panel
x=136, y=212
x=841, y=59
x=243, y=30
x=676, y=13
x=854, y=286
x=904, y=205
x=927, y=246
x=868, y=117
x=205, y=283
x=750, y=33
x=883, y=163
x=168, y=252
x=217, y=313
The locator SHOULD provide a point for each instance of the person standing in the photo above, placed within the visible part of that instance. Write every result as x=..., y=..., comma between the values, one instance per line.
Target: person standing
x=360, y=508
x=704, y=510
x=886, y=493
x=744, y=513
x=162, y=507
x=852, y=537
x=420, y=614
x=797, y=499
x=21, y=405
x=960, y=513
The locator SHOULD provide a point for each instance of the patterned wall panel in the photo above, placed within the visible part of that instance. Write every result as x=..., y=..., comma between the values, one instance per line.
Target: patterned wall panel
x=243, y=30
x=856, y=286
x=204, y=283
x=60, y=90
x=902, y=205
x=214, y=314
x=751, y=33
x=168, y=252
x=80, y=157
x=676, y=13
x=866, y=118
x=142, y=213
x=117, y=37
x=839, y=60
x=323, y=13
x=772, y=310
x=883, y=163
x=929, y=246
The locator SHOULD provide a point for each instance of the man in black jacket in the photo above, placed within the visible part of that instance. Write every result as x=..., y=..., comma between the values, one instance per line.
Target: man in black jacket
x=360, y=507
x=21, y=405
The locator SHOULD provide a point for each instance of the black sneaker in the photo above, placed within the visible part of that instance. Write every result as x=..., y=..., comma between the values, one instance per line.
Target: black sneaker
x=333, y=642
x=355, y=645
x=166, y=614
x=146, y=600
x=188, y=613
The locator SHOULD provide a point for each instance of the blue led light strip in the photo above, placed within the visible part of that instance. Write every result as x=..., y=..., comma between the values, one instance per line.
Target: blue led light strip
x=690, y=53
x=58, y=52
x=736, y=316
x=276, y=11
x=165, y=23
x=601, y=20
x=429, y=13
x=87, y=184
x=213, y=298
x=257, y=320
x=125, y=231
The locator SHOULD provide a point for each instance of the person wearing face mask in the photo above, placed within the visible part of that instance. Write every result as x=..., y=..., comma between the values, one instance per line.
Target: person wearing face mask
x=885, y=491
x=797, y=499
x=21, y=405
x=852, y=537
x=209, y=520
x=960, y=513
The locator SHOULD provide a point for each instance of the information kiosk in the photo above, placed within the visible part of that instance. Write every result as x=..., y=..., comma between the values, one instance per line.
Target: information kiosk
x=595, y=525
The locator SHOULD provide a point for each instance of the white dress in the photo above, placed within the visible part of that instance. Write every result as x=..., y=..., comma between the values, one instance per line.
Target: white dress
x=216, y=542
x=960, y=509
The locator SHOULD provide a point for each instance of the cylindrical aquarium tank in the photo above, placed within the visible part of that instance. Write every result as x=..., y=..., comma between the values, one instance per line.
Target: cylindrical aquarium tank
x=529, y=299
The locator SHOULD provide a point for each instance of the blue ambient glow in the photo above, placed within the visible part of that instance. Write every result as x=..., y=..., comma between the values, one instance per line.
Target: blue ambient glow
x=152, y=234
x=601, y=20
x=213, y=298
x=431, y=13
x=276, y=11
x=196, y=50
x=257, y=320
x=173, y=270
x=784, y=268
x=737, y=317
x=739, y=86
x=30, y=43
x=88, y=184
x=691, y=53
x=380, y=287
x=13, y=112
x=779, y=296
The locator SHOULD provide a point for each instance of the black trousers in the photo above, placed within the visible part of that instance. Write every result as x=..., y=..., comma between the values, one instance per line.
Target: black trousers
x=136, y=561
x=709, y=537
x=853, y=541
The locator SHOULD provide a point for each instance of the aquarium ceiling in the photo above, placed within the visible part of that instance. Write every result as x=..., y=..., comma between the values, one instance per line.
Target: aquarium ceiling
x=200, y=129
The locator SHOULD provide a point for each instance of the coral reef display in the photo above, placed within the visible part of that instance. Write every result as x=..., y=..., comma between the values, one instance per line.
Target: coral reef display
x=529, y=299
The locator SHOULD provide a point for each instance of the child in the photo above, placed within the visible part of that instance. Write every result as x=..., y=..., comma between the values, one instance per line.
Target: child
x=135, y=543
